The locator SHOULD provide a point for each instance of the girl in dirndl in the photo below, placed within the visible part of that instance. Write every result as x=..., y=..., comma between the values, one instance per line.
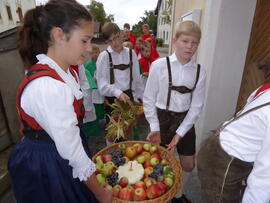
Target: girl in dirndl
x=52, y=162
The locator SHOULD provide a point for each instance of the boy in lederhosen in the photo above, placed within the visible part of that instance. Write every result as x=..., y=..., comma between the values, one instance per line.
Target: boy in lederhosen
x=174, y=97
x=118, y=73
x=233, y=163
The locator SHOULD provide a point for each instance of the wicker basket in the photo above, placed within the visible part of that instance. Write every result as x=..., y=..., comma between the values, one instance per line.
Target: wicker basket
x=165, y=154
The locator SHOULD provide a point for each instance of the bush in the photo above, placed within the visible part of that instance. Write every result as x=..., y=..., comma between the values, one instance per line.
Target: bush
x=160, y=42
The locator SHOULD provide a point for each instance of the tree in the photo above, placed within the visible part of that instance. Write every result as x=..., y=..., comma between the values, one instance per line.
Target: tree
x=150, y=18
x=99, y=14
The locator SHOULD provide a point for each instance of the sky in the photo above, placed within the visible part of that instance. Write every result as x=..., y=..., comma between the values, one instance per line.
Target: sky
x=124, y=11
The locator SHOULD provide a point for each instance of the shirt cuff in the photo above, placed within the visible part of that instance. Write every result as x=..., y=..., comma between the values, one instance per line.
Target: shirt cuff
x=154, y=127
x=84, y=172
x=181, y=132
x=117, y=93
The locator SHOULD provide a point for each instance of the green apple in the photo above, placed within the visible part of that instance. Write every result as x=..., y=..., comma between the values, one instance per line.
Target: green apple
x=99, y=159
x=141, y=159
x=167, y=169
x=168, y=182
x=101, y=178
x=147, y=147
x=154, y=161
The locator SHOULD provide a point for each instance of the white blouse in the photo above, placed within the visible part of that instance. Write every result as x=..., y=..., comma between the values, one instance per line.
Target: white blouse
x=50, y=102
x=156, y=92
x=248, y=139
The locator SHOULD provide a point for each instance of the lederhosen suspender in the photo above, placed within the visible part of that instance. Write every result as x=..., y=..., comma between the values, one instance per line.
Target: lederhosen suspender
x=180, y=89
x=121, y=67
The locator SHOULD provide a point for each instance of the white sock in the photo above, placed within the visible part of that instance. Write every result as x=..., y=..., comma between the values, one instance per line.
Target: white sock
x=108, y=143
x=185, y=180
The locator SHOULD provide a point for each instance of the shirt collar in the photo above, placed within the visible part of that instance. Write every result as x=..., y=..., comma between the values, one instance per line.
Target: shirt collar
x=66, y=76
x=191, y=63
x=111, y=50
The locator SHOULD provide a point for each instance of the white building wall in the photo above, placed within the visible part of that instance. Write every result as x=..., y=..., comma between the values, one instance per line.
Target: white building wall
x=163, y=30
x=225, y=38
x=5, y=23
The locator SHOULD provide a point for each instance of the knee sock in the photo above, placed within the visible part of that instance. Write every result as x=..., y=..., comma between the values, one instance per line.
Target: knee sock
x=185, y=180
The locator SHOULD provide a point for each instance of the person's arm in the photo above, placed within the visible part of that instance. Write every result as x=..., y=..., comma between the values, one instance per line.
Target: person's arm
x=258, y=182
x=196, y=106
x=103, y=77
x=150, y=97
x=137, y=81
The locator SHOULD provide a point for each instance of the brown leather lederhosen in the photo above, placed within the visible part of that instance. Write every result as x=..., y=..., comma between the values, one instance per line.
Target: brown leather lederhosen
x=169, y=121
x=222, y=176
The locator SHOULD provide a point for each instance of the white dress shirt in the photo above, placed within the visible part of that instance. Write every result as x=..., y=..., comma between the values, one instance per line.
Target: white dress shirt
x=248, y=139
x=122, y=77
x=156, y=92
x=90, y=113
x=50, y=103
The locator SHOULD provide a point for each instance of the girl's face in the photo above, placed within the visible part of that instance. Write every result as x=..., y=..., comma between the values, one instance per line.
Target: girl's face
x=146, y=52
x=75, y=49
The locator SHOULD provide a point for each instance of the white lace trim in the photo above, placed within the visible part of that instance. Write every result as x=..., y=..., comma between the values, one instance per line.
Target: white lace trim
x=84, y=173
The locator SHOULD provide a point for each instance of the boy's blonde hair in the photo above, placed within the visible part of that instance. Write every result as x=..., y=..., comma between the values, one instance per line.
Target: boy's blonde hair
x=189, y=28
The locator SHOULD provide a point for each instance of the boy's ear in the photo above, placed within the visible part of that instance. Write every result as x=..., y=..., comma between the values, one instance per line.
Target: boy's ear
x=58, y=35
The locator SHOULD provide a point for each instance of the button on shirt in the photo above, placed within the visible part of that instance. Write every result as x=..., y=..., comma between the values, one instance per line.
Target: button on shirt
x=248, y=139
x=156, y=92
x=122, y=77
x=50, y=103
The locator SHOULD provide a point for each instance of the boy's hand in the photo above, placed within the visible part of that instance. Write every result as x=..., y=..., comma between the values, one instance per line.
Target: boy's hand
x=107, y=196
x=172, y=146
x=124, y=97
x=154, y=137
x=145, y=74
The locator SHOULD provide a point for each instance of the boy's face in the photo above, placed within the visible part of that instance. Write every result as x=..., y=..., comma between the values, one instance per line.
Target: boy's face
x=145, y=31
x=94, y=54
x=139, y=45
x=146, y=52
x=116, y=41
x=185, y=47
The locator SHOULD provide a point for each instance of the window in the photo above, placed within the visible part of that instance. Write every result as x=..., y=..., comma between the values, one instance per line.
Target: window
x=9, y=12
x=20, y=14
x=167, y=36
x=0, y=16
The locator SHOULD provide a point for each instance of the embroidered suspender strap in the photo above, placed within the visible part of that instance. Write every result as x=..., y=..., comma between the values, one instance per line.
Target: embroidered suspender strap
x=130, y=70
x=170, y=83
x=111, y=68
x=241, y=115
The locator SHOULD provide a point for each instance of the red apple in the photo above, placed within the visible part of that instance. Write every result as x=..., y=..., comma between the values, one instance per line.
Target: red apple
x=139, y=194
x=138, y=147
x=140, y=159
x=107, y=157
x=140, y=184
x=162, y=187
x=123, y=182
x=125, y=194
x=99, y=159
x=130, y=152
x=149, y=181
x=147, y=147
x=116, y=190
x=147, y=155
x=153, y=149
x=154, y=161
x=156, y=156
x=153, y=191
x=147, y=164
x=108, y=186
x=130, y=189
x=168, y=182
x=148, y=171
x=164, y=161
